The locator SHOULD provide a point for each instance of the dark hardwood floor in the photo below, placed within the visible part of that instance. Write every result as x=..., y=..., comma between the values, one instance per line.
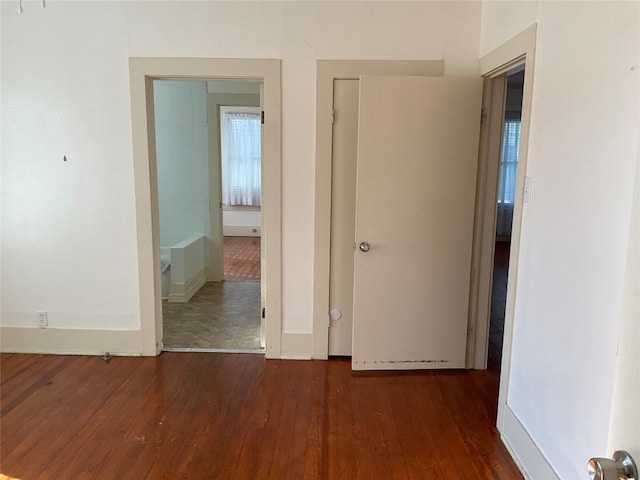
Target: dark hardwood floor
x=498, y=303
x=233, y=416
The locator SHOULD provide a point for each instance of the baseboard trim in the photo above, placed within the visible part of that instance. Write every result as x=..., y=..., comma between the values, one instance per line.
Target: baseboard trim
x=182, y=292
x=296, y=346
x=66, y=341
x=530, y=460
x=241, y=230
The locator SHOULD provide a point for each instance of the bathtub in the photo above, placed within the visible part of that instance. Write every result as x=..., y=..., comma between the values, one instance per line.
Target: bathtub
x=183, y=268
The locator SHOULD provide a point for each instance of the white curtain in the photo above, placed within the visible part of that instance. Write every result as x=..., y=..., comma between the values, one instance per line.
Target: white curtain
x=507, y=181
x=241, y=157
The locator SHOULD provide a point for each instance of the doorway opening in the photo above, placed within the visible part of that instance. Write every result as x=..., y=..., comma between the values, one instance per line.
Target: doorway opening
x=142, y=73
x=209, y=159
x=240, y=155
x=507, y=174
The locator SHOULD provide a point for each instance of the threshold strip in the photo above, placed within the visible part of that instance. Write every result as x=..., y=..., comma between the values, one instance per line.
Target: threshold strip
x=213, y=350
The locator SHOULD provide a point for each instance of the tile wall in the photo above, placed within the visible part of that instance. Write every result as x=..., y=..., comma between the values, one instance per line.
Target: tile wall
x=182, y=156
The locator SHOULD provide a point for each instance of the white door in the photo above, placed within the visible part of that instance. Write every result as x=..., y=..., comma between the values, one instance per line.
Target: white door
x=416, y=181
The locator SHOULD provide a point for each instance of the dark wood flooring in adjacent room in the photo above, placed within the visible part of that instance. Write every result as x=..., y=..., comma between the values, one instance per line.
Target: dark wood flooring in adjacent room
x=498, y=302
x=231, y=416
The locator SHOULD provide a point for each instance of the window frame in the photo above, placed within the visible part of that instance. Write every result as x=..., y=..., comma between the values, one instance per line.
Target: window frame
x=223, y=111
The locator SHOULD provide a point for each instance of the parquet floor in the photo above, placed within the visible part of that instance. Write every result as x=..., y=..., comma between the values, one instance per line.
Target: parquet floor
x=241, y=258
x=221, y=315
x=230, y=416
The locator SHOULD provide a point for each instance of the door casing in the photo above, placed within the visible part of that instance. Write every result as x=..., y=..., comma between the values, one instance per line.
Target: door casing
x=520, y=50
x=493, y=100
x=142, y=72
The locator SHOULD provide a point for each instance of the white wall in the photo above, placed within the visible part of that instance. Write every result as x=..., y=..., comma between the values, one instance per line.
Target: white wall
x=182, y=153
x=582, y=157
x=68, y=228
x=250, y=218
x=233, y=86
x=65, y=91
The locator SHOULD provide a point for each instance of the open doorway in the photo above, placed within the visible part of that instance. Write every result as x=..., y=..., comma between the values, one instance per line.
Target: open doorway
x=507, y=174
x=143, y=72
x=240, y=146
x=209, y=303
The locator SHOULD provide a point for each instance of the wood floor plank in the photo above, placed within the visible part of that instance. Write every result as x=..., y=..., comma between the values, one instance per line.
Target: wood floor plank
x=90, y=405
x=250, y=440
x=233, y=416
x=371, y=459
x=412, y=441
x=315, y=465
x=49, y=392
x=156, y=428
x=20, y=386
x=341, y=449
x=16, y=364
x=303, y=421
x=187, y=443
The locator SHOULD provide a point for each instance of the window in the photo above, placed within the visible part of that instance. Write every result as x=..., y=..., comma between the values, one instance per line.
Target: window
x=509, y=162
x=240, y=146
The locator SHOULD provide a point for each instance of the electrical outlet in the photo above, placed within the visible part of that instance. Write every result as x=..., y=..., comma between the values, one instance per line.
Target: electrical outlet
x=254, y=230
x=43, y=322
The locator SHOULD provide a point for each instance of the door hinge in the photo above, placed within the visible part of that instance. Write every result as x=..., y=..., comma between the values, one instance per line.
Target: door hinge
x=262, y=117
x=483, y=115
x=264, y=312
x=333, y=117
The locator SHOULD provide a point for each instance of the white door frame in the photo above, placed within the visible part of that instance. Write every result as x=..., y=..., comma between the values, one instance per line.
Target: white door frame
x=520, y=50
x=327, y=72
x=491, y=130
x=142, y=72
x=517, y=51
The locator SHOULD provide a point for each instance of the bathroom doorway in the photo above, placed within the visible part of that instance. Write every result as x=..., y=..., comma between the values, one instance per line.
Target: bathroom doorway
x=203, y=307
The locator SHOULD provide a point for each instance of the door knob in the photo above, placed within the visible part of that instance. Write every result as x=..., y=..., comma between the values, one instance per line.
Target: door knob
x=622, y=467
x=364, y=247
